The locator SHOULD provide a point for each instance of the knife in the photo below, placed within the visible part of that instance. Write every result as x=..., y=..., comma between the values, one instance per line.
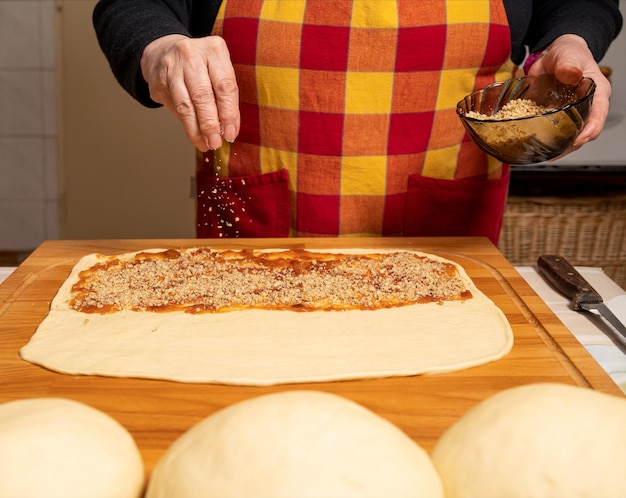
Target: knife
x=564, y=277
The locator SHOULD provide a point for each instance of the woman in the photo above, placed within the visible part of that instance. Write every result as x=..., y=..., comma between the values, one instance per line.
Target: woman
x=344, y=112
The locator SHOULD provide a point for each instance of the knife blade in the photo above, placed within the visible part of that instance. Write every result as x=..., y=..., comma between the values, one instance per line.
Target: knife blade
x=566, y=279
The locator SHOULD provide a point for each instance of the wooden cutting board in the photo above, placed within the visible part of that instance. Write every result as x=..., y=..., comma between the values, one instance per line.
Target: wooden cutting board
x=157, y=412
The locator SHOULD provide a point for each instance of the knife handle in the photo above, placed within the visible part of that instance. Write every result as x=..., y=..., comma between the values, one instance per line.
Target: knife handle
x=564, y=277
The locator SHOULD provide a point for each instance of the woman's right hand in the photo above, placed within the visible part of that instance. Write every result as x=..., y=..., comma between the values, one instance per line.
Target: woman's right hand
x=195, y=79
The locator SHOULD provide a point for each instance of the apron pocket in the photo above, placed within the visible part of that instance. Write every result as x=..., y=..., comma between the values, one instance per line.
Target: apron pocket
x=244, y=206
x=467, y=207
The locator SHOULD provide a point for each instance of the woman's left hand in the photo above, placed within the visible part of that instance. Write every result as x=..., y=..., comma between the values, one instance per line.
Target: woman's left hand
x=569, y=59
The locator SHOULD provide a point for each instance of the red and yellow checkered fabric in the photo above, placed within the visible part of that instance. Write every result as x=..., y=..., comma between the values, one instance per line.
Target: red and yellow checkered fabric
x=346, y=100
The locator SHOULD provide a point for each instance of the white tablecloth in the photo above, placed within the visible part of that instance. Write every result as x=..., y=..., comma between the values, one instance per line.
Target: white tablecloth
x=586, y=327
x=5, y=272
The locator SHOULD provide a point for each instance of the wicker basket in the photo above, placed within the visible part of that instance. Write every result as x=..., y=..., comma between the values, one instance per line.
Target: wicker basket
x=587, y=230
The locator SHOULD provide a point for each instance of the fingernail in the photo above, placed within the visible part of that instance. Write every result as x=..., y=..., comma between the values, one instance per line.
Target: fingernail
x=230, y=133
x=215, y=141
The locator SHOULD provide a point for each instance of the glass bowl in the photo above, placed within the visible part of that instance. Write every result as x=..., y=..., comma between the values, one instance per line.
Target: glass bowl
x=529, y=139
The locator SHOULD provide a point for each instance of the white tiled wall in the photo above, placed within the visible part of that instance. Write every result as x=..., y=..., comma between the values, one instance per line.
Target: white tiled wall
x=29, y=197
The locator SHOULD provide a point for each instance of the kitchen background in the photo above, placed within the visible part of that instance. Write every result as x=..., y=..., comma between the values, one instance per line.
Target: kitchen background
x=79, y=159
x=29, y=200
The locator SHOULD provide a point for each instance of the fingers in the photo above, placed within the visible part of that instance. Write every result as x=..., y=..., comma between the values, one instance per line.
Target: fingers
x=597, y=116
x=194, y=100
x=195, y=80
x=568, y=74
x=225, y=90
x=569, y=59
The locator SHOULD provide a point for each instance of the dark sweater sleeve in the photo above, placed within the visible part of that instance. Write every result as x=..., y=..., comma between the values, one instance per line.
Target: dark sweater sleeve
x=537, y=23
x=597, y=21
x=125, y=27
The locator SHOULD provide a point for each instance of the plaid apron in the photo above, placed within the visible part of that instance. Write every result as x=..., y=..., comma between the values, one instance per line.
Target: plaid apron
x=348, y=120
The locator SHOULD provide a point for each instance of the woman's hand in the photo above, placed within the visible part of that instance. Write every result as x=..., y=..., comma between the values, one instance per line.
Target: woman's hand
x=195, y=79
x=569, y=59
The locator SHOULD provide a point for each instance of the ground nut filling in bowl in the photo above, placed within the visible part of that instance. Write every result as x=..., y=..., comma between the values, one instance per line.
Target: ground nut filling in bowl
x=518, y=108
x=527, y=120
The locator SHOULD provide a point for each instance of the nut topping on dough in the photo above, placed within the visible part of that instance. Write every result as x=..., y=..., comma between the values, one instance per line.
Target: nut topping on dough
x=201, y=280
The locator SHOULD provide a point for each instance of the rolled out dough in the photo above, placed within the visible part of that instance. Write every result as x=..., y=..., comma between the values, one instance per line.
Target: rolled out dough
x=266, y=347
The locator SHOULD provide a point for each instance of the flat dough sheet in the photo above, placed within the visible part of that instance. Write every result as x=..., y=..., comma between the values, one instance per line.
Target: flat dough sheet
x=267, y=347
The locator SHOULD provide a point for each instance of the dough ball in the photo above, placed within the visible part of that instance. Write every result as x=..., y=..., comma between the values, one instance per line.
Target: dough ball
x=539, y=440
x=58, y=448
x=294, y=444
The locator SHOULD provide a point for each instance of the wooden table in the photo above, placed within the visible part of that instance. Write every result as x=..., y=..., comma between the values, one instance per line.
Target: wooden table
x=157, y=412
